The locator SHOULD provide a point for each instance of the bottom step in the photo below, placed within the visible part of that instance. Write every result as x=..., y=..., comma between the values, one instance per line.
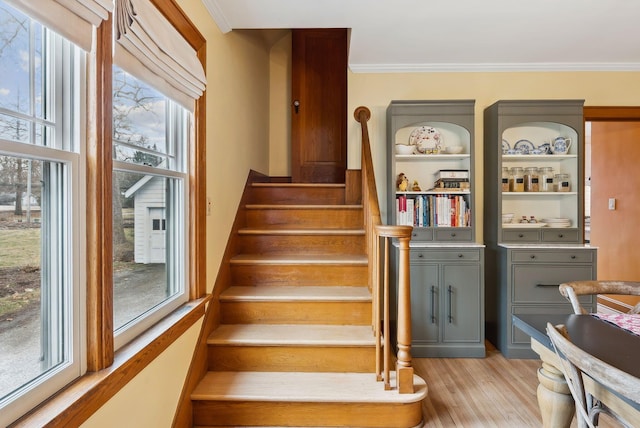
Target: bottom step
x=304, y=399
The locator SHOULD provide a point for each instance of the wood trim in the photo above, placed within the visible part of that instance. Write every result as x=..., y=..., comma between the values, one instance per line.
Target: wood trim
x=75, y=404
x=174, y=14
x=197, y=156
x=613, y=113
x=99, y=239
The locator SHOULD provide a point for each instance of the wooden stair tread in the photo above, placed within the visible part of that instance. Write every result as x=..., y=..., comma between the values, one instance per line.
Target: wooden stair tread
x=307, y=185
x=293, y=293
x=284, y=230
x=292, y=335
x=302, y=387
x=301, y=207
x=300, y=259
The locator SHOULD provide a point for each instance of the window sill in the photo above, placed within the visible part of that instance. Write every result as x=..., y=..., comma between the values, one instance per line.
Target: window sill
x=78, y=401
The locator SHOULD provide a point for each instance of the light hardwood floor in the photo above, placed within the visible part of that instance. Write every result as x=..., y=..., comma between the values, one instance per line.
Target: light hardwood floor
x=482, y=392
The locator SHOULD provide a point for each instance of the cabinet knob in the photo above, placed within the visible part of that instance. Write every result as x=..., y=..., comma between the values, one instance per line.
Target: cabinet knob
x=420, y=255
x=533, y=256
x=415, y=234
x=573, y=256
x=453, y=235
x=460, y=256
x=520, y=235
x=560, y=235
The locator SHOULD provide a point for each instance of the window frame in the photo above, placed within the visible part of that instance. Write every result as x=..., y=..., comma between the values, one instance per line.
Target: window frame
x=66, y=102
x=108, y=371
x=99, y=176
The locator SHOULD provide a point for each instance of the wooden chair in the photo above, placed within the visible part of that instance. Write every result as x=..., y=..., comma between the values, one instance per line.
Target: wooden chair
x=571, y=291
x=577, y=363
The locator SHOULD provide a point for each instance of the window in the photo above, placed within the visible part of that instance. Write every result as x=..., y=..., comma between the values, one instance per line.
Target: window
x=150, y=137
x=40, y=197
x=56, y=180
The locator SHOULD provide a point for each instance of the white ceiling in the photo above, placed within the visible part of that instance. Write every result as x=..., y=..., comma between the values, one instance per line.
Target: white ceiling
x=459, y=35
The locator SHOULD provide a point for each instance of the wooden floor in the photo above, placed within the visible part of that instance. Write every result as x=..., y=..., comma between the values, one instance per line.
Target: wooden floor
x=482, y=392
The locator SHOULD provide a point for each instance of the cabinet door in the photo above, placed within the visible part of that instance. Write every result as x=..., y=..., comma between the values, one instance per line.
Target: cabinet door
x=461, y=303
x=424, y=303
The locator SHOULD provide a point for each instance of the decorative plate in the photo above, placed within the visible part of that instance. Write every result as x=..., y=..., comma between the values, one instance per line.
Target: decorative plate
x=525, y=146
x=505, y=146
x=427, y=139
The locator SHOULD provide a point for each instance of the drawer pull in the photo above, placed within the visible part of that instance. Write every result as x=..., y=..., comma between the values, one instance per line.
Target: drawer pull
x=450, y=291
x=453, y=235
x=532, y=256
x=414, y=234
x=520, y=235
x=560, y=235
x=420, y=255
x=433, y=304
x=573, y=256
x=548, y=285
x=460, y=256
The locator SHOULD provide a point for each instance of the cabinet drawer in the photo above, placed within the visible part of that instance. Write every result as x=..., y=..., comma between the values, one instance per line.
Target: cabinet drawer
x=539, y=284
x=447, y=255
x=422, y=234
x=457, y=234
x=555, y=256
x=560, y=235
x=520, y=235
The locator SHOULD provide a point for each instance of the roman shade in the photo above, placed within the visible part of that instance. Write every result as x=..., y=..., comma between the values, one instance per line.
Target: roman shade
x=151, y=49
x=72, y=19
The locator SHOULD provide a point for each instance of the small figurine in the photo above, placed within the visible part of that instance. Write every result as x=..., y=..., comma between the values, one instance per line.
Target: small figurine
x=402, y=182
x=416, y=186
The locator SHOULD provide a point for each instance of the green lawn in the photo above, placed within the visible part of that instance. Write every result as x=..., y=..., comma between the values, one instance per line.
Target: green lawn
x=20, y=247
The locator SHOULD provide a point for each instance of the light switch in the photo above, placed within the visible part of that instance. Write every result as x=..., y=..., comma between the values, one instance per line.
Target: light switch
x=612, y=204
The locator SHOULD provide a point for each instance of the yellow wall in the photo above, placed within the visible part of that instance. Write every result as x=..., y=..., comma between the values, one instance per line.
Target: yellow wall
x=376, y=90
x=237, y=142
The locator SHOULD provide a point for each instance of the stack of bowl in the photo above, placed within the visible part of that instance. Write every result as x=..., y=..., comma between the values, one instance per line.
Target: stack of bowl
x=507, y=218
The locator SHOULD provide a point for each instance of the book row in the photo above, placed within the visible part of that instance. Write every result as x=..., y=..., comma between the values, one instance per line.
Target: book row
x=433, y=211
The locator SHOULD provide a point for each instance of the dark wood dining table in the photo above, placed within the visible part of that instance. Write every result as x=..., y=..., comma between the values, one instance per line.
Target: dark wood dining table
x=608, y=342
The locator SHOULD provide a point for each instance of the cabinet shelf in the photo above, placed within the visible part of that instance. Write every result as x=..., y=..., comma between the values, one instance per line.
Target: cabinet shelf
x=538, y=194
x=525, y=255
x=441, y=157
x=454, y=122
x=537, y=157
x=436, y=192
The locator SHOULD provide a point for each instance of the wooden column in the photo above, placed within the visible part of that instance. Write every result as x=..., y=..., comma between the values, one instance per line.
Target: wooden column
x=404, y=370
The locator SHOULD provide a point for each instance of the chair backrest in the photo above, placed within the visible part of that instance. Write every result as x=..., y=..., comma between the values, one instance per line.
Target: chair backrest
x=571, y=291
x=576, y=362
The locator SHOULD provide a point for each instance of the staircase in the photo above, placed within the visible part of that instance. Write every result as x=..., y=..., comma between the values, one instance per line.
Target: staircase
x=295, y=346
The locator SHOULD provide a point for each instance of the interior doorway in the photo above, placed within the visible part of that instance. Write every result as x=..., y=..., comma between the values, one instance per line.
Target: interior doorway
x=612, y=207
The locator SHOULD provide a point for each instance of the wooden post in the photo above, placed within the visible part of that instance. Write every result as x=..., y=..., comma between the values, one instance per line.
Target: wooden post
x=404, y=370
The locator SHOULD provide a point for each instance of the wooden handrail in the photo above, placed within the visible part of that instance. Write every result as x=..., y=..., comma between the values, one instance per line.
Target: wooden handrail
x=378, y=241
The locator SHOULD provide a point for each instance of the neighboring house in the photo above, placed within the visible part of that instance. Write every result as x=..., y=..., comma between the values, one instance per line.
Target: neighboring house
x=149, y=219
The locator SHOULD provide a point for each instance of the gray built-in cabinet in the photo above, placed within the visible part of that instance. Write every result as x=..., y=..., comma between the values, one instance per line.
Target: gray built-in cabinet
x=525, y=262
x=446, y=265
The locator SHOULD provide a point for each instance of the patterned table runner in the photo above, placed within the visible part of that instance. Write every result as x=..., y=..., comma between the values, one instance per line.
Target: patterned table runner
x=629, y=322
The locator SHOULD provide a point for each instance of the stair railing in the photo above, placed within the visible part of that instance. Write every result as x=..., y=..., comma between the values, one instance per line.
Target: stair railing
x=378, y=241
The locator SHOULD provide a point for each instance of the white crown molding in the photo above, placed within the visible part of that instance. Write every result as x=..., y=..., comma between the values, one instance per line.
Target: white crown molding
x=497, y=67
x=218, y=16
